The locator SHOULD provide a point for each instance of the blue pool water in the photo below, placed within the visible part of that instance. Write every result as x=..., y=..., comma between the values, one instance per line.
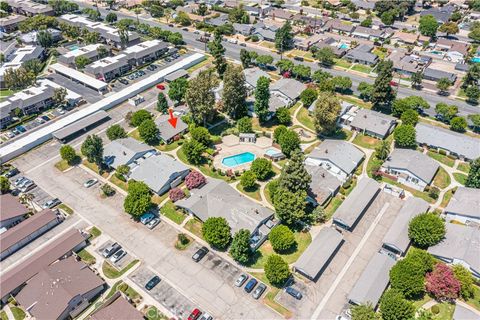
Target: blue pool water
x=343, y=46
x=476, y=59
x=271, y=152
x=238, y=159
x=73, y=47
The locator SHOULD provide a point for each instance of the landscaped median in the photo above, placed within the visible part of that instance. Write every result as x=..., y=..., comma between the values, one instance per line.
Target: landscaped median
x=269, y=297
x=113, y=273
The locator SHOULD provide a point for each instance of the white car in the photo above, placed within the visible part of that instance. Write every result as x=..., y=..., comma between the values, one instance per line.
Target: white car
x=241, y=280
x=117, y=256
x=60, y=110
x=90, y=183
x=234, y=41
x=153, y=223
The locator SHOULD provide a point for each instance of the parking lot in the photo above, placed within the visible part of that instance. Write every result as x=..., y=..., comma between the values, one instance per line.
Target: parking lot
x=287, y=300
x=89, y=95
x=122, y=263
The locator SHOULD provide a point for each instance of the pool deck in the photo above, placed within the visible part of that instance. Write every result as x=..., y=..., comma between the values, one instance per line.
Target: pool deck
x=231, y=146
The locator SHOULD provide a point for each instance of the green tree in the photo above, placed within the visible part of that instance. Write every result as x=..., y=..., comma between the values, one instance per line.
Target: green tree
x=177, y=89
x=59, y=96
x=183, y=19
x=200, y=97
x=92, y=148
x=276, y=270
x=405, y=136
x=473, y=93
x=473, y=179
x=202, y=135
x=284, y=38
x=264, y=60
x=342, y=84
x=458, y=124
x=394, y=306
x=443, y=85
x=218, y=52
x=162, y=103
x=449, y=28
x=156, y=11
x=308, y=96
x=240, y=248
x=325, y=56
x=446, y=112
x=138, y=200
x=428, y=26
x=294, y=176
x=111, y=17
x=139, y=116
x=289, y=142
x=475, y=119
x=367, y=22
x=216, y=232
x=148, y=132
x=409, y=116
x=68, y=154
x=193, y=151
x=234, y=92
x=262, y=97
x=283, y=116
x=244, y=125
x=382, y=150
x=18, y=79
x=262, y=168
x=365, y=90
x=301, y=72
x=81, y=62
x=202, y=9
x=326, y=112
x=426, y=229
x=364, y=312
x=416, y=79
x=245, y=58
x=465, y=277
x=45, y=39
x=284, y=65
x=289, y=206
x=473, y=75
x=4, y=185
x=278, y=132
x=409, y=103
x=388, y=17
x=122, y=172
x=248, y=180
x=5, y=7
x=383, y=94
x=281, y=238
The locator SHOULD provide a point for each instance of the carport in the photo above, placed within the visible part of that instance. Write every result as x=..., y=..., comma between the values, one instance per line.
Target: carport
x=81, y=126
x=182, y=73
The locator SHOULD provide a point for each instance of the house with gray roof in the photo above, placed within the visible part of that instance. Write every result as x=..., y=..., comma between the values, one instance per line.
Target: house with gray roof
x=373, y=123
x=338, y=26
x=125, y=152
x=10, y=23
x=363, y=4
x=251, y=77
x=373, y=281
x=338, y=157
x=319, y=253
x=168, y=133
x=461, y=245
x=454, y=143
x=442, y=14
x=435, y=75
x=396, y=239
x=363, y=55
x=323, y=187
x=159, y=172
x=358, y=201
x=464, y=206
x=218, y=199
x=264, y=34
x=411, y=168
x=244, y=29
x=288, y=89
x=338, y=50
x=370, y=34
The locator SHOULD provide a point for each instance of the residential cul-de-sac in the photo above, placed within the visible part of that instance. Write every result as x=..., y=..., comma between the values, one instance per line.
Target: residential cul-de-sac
x=232, y=160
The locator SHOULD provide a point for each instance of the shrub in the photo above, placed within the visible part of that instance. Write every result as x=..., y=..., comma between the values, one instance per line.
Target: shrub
x=272, y=187
x=466, y=281
x=68, y=154
x=262, y=168
x=244, y=125
x=279, y=131
x=283, y=116
x=183, y=239
x=434, y=193
x=435, y=309
x=442, y=284
x=107, y=190
x=276, y=270
x=394, y=306
x=176, y=194
x=240, y=248
x=116, y=132
x=281, y=238
x=426, y=229
x=216, y=232
x=139, y=116
x=248, y=179
x=201, y=134
x=194, y=180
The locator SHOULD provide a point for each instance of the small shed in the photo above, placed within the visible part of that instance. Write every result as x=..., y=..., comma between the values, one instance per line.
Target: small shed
x=248, y=137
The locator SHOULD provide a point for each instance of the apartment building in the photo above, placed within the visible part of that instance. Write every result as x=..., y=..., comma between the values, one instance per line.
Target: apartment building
x=30, y=8
x=89, y=51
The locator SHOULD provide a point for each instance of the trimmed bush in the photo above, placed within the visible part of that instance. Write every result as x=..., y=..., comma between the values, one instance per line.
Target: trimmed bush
x=194, y=180
x=281, y=238
x=176, y=194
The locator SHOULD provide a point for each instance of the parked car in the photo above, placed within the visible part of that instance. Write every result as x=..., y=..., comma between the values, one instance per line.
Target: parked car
x=241, y=280
x=234, y=41
x=21, y=129
x=124, y=81
x=250, y=285
x=45, y=118
x=160, y=87
x=117, y=256
x=10, y=134
x=153, y=223
x=152, y=283
x=111, y=249
x=39, y=120
x=185, y=29
x=242, y=44
x=23, y=182
x=60, y=110
x=11, y=173
x=206, y=316
x=171, y=25
x=199, y=254
x=195, y=314
x=294, y=293
x=19, y=180
x=90, y=183
x=146, y=218
x=27, y=187
x=259, y=291
x=51, y=203
x=393, y=83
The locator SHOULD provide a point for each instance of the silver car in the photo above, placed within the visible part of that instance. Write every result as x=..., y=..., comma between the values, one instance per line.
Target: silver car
x=117, y=256
x=259, y=291
x=90, y=183
x=241, y=280
x=153, y=223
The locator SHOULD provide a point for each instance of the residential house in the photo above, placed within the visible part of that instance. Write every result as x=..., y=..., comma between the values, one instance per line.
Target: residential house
x=126, y=151
x=243, y=29
x=338, y=26
x=319, y=253
x=88, y=51
x=339, y=49
x=26, y=231
x=219, y=21
x=168, y=133
x=371, y=34
x=435, y=75
x=411, y=168
x=306, y=43
x=12, y=211
x=455, y=51
x=288, y=90
x=373, y=281
x=16, y=57
x=442, y=14
x=461, y=245
x=405, y=38
x=60, y=291
x=456, y=144
x=338, y=157
x=10, y=23
x=30, y=8
x=32, y=36
x=356, y=204
x=408, y=64
x=396, y=239
x=373, y=123
x=116, y=307
x=363, y=55
x=323, y=186
x=280, y=14
x=312, y=22
x=464, y=206
x=218, y=199
x=364, y=4
x=264, y=34
x=251, y=78
x=159, y=172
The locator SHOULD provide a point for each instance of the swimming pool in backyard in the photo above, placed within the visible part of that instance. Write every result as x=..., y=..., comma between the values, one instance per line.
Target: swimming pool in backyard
x=476, y=59
x=73, y=47
x=238, y=159
x=343, y=46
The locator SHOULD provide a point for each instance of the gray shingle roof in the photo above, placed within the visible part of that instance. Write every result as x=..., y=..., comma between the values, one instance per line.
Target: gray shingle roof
x=373, y=281
x=323, y=183
x=413, y=161
x=458, y=143
x=373, y=121
x=218, y=199
x=436, y=75
x=460, y=243
x=253, y=74
x=397, y=235
x=124, y=151
x=289, y=87
x=465, y=202
x=318, y=253
x=343, y=154
x=167, y=131
x=357, y=202
x=361, y=55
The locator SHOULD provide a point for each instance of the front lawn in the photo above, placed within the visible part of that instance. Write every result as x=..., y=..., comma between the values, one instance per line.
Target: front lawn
x=65, y=208
x=62, y=165
x=169, y=211
x=355, y=101
x=446, y=311
x=332, y=206
x=159, y=199
x=342, y=63
x=475, y=301
x=373, y=163
x=112, y=273
x=424, y=195
x=365, y=141
x=153, y=314
x=94, y=168
x=252, y=193
x=3, y=315
x=464, y=166
x=305, y=119
x=460, y=177
x=303, y=240
x=441, y=158
x=362, y=68
x=169, y=147
x=442, y=179
x=446, y=197
x=86, y=257
x=94, y=232
x=194, y=226
x=119, y=183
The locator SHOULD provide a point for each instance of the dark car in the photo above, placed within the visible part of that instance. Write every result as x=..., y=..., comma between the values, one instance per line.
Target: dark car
x=250, y=285
x=294, y=293
x=259, y=291
x=21, y=129
x=11, y=173
x=45, y=118
x=197, y=256
x=124, y=81
x=152, y=283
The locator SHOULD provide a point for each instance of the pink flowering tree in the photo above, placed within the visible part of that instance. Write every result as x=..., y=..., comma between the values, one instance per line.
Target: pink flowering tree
x=176, y=194
x=442, y=284
x=194, y=180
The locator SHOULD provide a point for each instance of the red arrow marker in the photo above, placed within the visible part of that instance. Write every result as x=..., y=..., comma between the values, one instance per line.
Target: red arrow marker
x=172, y=120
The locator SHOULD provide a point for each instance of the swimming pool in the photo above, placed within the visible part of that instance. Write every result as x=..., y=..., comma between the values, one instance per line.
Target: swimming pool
x=343, y=46
x=438, y=53
x=73, y=47
x=272, y=152
x=476, y=59
x=238, y=159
